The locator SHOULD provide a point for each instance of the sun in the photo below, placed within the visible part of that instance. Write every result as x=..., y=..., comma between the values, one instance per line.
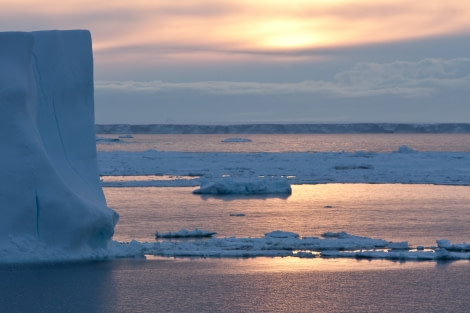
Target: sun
x=287, y=34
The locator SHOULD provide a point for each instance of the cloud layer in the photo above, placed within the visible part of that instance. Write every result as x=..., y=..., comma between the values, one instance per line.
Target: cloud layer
x=405, y=79
x=264, y=60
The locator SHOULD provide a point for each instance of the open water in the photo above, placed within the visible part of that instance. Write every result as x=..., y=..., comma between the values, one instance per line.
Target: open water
x=288, y=142
x=419, y=214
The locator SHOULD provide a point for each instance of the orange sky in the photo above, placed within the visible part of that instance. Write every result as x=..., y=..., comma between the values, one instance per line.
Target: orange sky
x=239, y=60
x=209, y=27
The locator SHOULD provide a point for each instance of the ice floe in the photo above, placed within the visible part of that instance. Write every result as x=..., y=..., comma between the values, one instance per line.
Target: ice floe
x=236, y=139
x=183, y=233
x=400, y=166
x=257, y=186
x=281, y=244
x=202, y=243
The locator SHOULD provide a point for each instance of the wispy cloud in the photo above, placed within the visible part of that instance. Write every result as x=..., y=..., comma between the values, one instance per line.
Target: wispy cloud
x=405, y=79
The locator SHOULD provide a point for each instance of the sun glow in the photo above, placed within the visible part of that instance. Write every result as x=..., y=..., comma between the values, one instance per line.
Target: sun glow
x=286, y=34
x=237, y=27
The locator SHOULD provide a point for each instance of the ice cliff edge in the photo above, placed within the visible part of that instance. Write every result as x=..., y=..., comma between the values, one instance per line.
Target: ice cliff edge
x=50, y=192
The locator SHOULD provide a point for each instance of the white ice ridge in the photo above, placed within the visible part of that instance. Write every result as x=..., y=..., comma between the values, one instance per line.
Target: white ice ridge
x=50, y=195
x=282, y=244
x=401, y=166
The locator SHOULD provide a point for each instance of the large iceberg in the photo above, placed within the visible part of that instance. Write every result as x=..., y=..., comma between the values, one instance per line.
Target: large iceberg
x=50, y=195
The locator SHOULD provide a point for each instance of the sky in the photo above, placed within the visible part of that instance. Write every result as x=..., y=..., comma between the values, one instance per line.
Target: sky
x=240, y=61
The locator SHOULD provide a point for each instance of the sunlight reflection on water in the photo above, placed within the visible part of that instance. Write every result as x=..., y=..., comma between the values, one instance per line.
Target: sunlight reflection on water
x=419, y=214
x=288, y=142
x=295, y=264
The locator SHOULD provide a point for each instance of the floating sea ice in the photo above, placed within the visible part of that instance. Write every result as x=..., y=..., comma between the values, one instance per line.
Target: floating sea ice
x=403, y=245
x=106, y=140
x=281, y=244
x=256, y=186
x=445, y=244
x=183, y=233
x=281, y=234
x=405, y=149
x=236, y=140
x=440, y=168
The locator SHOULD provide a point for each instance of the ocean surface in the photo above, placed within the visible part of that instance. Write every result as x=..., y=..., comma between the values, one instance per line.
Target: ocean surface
x=286, y=142
x=419, y=214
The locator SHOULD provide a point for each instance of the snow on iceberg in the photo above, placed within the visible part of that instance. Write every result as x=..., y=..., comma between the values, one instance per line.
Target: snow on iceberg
x=255, y=186
x=51, y=197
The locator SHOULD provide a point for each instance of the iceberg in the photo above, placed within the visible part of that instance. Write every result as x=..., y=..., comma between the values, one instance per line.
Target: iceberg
x=51, y=201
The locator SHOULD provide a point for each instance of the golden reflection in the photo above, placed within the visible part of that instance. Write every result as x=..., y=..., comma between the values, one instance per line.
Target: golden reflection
x=295, y=264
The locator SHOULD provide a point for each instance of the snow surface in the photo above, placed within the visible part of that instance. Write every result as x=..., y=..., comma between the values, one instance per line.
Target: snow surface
x=51, y=201
x=404, y=165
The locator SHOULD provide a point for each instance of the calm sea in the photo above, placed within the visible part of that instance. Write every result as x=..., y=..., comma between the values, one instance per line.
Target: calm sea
x=288, y=143
x=419, y=214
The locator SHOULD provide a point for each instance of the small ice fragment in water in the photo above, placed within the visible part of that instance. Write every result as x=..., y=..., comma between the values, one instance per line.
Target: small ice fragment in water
x=403, y=245
x=281, y=234
x=183, y=233
x=405, y=149
x=236, y=140
x=229, y=186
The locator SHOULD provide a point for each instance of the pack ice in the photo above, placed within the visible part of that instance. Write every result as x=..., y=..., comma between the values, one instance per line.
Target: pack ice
x=51, y=202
